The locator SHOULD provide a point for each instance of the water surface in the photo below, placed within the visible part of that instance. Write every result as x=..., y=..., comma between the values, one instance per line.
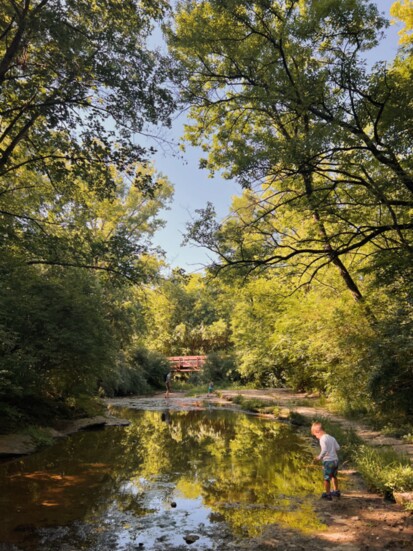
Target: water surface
x=214, y=474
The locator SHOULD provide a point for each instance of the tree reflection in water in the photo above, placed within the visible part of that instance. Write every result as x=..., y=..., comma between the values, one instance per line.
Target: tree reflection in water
x=218, y=466
x=251, y=471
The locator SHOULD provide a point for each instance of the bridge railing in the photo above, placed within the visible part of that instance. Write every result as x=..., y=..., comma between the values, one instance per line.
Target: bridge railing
x=186, y=363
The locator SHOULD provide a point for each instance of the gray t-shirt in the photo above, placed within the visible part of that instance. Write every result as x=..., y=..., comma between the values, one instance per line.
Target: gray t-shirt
x=329, y=448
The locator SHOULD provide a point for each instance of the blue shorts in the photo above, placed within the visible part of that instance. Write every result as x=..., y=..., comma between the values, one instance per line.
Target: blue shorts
x=330, y=469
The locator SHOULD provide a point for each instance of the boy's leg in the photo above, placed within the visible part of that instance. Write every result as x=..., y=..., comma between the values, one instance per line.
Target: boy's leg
x=336, y=491
x=328, y=473
x=326, y=481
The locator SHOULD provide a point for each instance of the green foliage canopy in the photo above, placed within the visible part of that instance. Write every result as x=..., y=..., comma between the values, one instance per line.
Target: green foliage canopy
x=281, y=99
x=77, y=81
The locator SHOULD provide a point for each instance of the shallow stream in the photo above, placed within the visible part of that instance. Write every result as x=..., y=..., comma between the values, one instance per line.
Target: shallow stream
x=169, y=478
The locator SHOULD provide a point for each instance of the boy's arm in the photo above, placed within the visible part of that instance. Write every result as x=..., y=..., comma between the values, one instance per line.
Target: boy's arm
x=323, y=450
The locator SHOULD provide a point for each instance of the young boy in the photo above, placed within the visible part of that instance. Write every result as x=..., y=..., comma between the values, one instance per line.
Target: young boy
x=328, y=455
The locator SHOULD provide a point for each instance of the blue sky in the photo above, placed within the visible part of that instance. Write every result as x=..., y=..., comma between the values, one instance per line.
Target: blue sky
x=194, y=188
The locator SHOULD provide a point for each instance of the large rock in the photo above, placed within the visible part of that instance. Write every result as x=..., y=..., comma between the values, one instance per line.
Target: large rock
x=89, y=423
x=16, y=444
x=23, y=444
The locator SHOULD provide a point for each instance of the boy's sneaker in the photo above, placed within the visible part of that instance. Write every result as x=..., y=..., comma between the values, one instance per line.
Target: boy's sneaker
x=326, y=496
x=336, y=493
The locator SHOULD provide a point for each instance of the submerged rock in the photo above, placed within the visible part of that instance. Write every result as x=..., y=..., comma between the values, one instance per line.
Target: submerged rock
x=191, y=538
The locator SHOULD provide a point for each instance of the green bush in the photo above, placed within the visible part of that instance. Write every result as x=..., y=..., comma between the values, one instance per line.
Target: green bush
x=54, y=338
x=10, y=417
x=83, y=405
x=124, y=380
x=219, y=367
x=298, y=419
x=399, y=478
x=137, y=372
x=304, y=375
x=153, y=366
x=41, y=436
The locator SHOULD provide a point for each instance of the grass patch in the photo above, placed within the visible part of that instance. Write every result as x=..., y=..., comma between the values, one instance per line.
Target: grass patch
x=313, y=402
x=257, y=405
x=384, y=469
x=408, y=438
x=404, y=431
x=194, y=391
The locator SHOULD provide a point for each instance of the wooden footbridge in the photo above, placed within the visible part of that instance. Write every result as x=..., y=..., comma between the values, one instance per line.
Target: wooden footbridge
x=186, y=364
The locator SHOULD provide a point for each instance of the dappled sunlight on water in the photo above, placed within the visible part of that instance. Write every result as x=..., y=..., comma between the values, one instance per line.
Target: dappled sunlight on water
x=164, y=476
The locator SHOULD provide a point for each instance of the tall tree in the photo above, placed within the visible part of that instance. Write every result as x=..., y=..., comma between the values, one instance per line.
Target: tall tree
x=403, y=10
x=281, y=99
x=188, y=315
x=80, y=228
x=77, y=83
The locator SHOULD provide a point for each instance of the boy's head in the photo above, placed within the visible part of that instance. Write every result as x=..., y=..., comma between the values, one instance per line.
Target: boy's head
x=317, y=429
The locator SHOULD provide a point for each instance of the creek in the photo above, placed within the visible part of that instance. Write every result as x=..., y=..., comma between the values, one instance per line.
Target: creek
x=169, y=478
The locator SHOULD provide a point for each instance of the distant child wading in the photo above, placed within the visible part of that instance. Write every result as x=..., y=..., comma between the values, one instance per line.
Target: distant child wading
x=328, y=455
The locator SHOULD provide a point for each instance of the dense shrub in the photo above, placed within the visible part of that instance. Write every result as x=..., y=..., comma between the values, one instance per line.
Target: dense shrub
x=55, y=340
x=137, y=372
x=220, y=367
